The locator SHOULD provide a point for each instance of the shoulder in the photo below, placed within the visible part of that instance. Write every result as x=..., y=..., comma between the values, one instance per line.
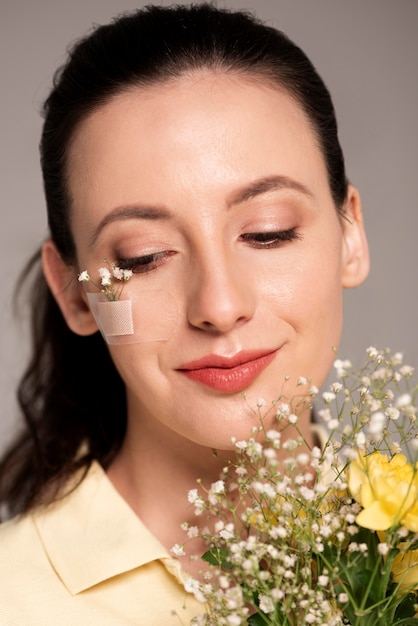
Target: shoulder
x=32, y=593
x=18, y=541
x=22, y=561
x=88, y=559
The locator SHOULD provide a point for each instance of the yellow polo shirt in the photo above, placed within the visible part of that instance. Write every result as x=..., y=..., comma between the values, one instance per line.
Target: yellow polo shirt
x=87, y=560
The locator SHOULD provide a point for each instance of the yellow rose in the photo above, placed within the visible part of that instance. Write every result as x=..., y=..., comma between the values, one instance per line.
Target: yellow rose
x=405, y=570
x=387, y=489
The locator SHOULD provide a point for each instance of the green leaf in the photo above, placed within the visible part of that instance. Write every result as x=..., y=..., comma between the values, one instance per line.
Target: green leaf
x=258, y=619
x=406, y=607
x=218, y=557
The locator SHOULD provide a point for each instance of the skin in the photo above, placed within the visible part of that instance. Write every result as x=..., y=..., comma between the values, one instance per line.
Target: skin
x=194, y=147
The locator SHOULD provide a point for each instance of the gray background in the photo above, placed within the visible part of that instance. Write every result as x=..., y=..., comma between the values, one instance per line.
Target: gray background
x=367, y=52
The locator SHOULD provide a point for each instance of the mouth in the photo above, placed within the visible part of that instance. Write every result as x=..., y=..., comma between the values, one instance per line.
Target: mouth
x=228, y=374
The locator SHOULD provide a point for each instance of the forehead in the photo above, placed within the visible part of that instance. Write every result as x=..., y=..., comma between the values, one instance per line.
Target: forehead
x=201, y=131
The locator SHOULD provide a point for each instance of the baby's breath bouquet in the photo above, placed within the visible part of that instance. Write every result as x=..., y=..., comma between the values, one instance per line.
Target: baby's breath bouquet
x=107, y=274
x=328, y=536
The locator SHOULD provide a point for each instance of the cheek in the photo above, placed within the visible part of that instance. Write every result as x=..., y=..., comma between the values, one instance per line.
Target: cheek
x=307, y=285
x=137, y=364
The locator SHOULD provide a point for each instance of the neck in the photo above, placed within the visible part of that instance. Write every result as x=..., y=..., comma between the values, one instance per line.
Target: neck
x=154, y=471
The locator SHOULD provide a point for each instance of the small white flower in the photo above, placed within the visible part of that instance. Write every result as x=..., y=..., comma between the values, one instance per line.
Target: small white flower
x=377, y=422
x=193, y=495
x=406, y=370
x=218, y=487
x=392, y=413
x=121, y=274
x=178, y=550
x=360, y=438
x=343, y=598
x=266, y=604
x=350, y=454
x=283, y=410
x=106, y=277
x=404, y=400
x=307, y=494
x=191, y=584
x=278, y=532
x=193, y=532
x=117, y=272
x=383, y=548
x=260, y=402
x=241, y=471
x=289, y=560
x=302, y=458
x=223, y=582
x=316, y=452
x=328, y=397
x=397, y=358
x=323, y=580
x=84, y=276
x=226, y=534
x=325, y=414
x=277, y=594
x=326, y=531
x=272, y=435
x=233, y=620
x=270, y=454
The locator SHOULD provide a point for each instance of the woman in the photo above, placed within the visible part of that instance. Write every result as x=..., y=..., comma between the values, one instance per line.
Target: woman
x=196, y=148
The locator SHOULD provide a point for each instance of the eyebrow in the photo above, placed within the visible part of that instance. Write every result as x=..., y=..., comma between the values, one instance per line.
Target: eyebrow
x=264, y=185
x=128, y=213
x=242, y=195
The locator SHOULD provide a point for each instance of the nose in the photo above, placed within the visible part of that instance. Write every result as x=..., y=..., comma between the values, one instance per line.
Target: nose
x=220, y=296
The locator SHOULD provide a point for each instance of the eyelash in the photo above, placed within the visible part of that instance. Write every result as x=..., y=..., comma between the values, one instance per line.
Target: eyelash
x=264, y=240
x=143, y=264
x=271, y=239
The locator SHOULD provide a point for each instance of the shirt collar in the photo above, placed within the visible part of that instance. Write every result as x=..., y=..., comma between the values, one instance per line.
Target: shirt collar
x=92, y=534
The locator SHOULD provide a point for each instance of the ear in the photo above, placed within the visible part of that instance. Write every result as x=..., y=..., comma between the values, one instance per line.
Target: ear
x=67, y=291
x=356, y=263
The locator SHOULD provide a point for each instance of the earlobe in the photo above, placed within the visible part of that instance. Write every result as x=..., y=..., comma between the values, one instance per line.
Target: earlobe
x=356, y=263
x=67, y=291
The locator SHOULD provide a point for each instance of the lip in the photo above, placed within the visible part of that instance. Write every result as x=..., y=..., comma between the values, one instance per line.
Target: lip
x=228, y=374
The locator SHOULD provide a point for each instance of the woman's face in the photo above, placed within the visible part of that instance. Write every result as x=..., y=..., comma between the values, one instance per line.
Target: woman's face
x=214, y=191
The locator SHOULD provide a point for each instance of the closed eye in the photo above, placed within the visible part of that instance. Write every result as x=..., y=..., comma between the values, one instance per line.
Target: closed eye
x=271, y=239
x=146, y=263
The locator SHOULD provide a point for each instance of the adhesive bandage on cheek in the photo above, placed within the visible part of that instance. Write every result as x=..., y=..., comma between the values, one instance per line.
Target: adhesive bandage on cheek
x=139, y=317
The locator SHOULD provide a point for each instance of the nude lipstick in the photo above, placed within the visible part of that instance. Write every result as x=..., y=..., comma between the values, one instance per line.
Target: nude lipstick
x=228, y=374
